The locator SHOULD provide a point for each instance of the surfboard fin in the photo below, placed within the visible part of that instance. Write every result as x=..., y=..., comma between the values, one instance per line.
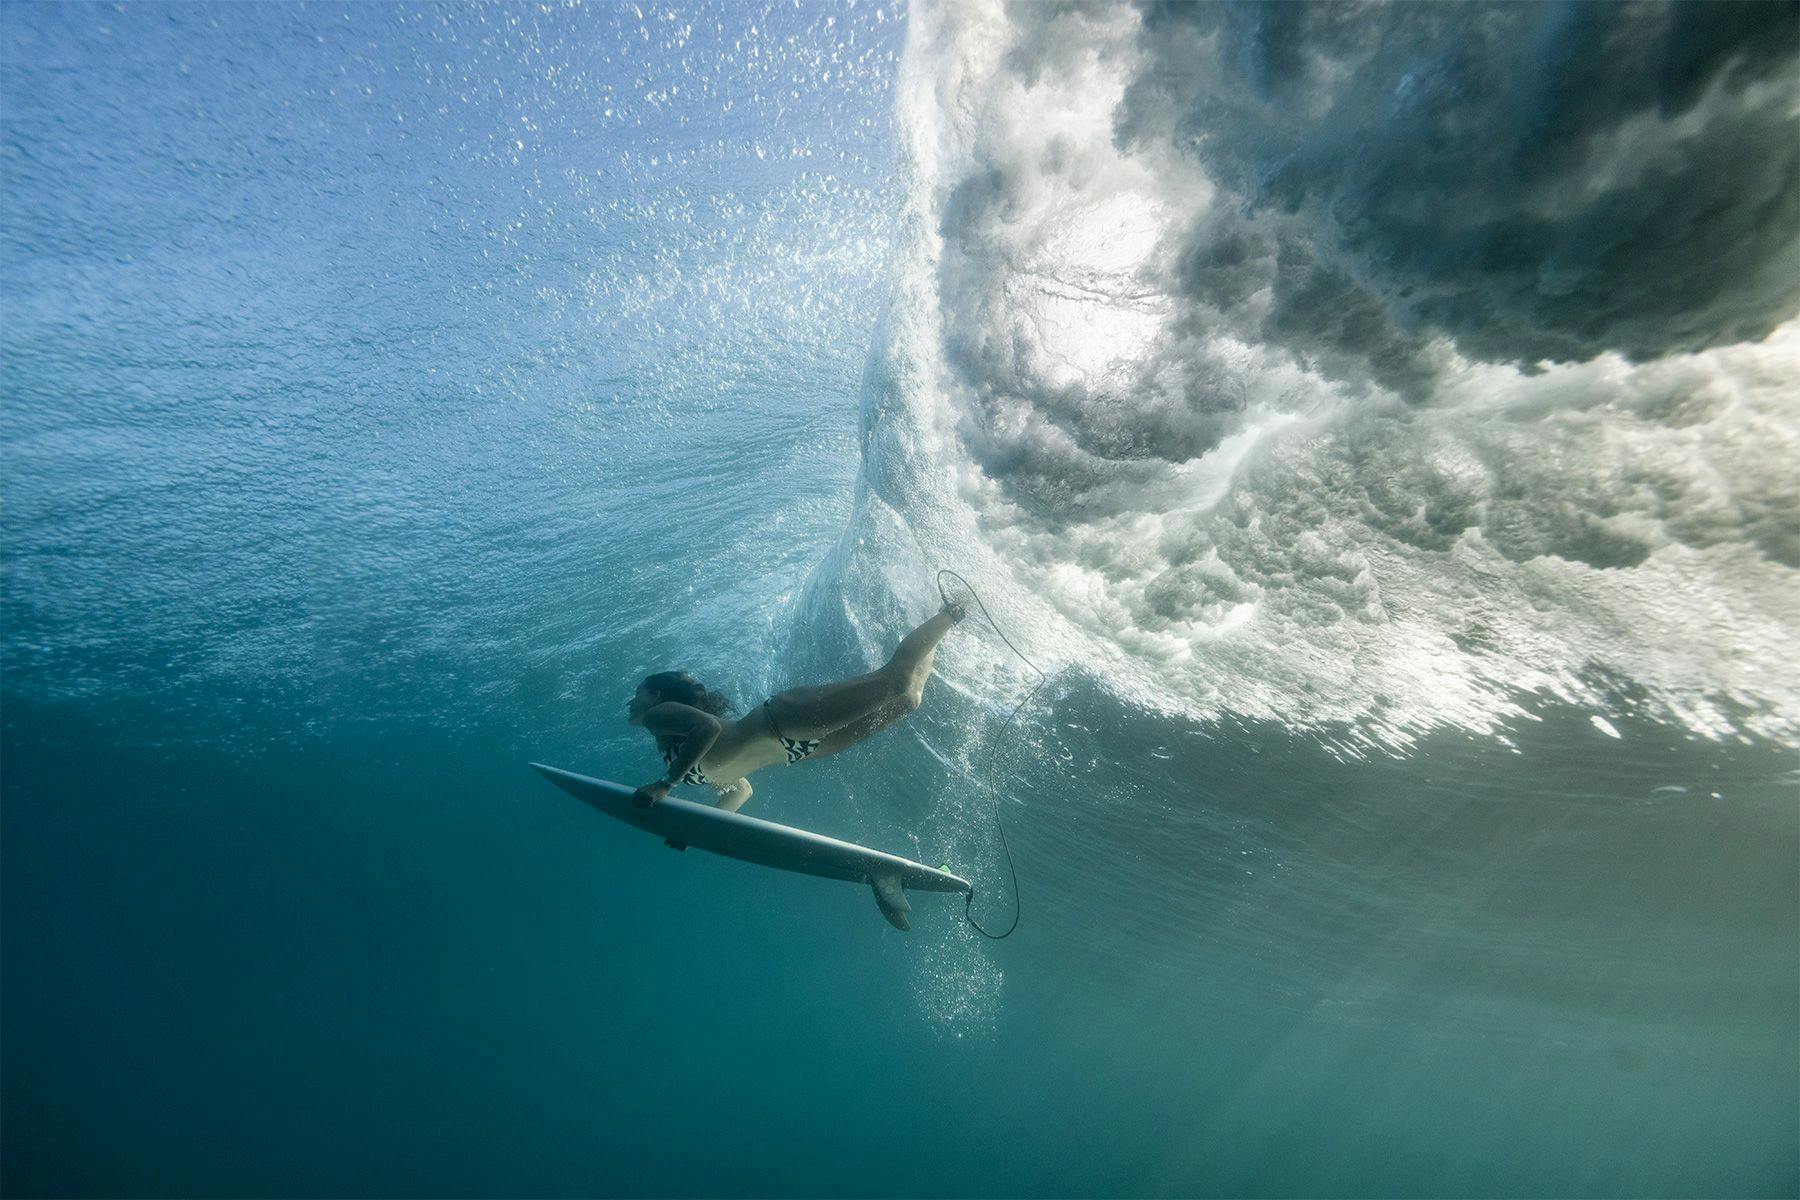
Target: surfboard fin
x=890, y=898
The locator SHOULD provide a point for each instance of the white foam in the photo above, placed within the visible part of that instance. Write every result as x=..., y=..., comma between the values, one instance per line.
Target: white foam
x=1181, y=497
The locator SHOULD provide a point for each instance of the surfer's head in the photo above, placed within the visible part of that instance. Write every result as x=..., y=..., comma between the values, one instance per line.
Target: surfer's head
x=678, y=687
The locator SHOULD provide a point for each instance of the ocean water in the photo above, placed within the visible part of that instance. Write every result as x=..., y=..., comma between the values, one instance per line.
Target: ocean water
x=1379, y=426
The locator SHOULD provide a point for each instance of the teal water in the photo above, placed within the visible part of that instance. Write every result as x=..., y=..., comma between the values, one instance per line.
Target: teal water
x=1411, y=811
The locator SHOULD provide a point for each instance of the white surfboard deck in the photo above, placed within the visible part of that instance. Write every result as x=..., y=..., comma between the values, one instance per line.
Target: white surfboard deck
x=754, y=840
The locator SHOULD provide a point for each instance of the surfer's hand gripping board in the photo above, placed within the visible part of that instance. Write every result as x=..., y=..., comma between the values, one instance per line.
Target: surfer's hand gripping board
x=650, y=793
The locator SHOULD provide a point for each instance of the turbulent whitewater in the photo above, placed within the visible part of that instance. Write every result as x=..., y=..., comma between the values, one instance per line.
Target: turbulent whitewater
x=1370, y=370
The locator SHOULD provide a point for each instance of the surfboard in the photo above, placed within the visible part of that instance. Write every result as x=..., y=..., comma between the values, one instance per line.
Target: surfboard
x=754, y=840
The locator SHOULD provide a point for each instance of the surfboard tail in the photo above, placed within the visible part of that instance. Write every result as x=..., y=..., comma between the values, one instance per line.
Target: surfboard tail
x=890, y=898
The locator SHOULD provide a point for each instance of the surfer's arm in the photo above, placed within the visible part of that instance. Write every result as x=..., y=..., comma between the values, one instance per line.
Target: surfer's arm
x=697, y=730
x=732, y=798
x=698, y=733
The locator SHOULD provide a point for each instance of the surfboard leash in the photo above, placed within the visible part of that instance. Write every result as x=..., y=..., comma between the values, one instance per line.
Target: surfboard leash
x=999, y=826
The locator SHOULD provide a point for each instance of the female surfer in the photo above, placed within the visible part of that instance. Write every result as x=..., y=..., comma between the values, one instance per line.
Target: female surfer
x=702, y=744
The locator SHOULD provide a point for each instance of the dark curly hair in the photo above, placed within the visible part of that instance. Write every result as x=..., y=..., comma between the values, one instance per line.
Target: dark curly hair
x=683, y=688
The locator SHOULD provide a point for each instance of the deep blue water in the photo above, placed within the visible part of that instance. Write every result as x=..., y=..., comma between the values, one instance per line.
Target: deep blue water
x=1412, y=807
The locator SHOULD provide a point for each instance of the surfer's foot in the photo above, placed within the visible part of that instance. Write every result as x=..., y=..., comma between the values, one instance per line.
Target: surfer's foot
x=957, y=600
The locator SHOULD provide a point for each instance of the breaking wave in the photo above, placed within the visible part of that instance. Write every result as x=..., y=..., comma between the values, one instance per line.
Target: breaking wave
x=1355, y=367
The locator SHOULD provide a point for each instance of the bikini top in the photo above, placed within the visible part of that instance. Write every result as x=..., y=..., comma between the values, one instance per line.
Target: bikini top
x=694, y=774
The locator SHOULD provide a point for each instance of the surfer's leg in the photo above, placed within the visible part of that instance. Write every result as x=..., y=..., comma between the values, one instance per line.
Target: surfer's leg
x=857, y=731
x=898, y=686
x=805, y=713
x=917, y=651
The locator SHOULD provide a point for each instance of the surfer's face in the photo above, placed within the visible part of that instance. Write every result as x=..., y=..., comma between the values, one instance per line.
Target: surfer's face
x=641, y=702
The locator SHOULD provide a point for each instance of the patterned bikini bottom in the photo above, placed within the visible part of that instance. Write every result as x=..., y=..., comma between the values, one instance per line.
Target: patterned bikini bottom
x=796, y=748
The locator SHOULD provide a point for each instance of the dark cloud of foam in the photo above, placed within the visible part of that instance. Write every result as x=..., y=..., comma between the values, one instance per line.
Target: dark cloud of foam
x=1537, y=182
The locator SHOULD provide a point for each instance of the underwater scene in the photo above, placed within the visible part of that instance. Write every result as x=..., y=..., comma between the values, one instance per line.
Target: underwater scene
x=1363, y=441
